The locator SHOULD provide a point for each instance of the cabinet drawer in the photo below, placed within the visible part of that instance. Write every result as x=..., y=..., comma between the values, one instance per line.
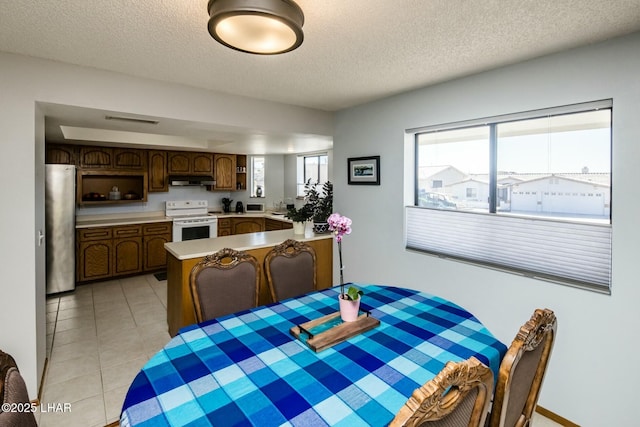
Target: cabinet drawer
x=98, y=233
x=224, y=232
x=224, y=223
x=127, y=231
x=157, y=228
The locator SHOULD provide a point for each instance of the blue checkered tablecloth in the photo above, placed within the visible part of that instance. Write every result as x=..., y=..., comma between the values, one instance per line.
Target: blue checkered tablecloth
x=246, y=369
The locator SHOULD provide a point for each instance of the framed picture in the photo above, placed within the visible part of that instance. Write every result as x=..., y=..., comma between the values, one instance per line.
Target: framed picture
x=364, y=170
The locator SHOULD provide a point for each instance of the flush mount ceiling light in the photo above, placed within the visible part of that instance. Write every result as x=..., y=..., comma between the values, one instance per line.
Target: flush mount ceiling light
x=263, y=27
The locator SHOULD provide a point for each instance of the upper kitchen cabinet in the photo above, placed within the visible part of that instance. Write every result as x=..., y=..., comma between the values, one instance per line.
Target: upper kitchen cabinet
x=189, y=163
x=61, y=154
x=129, y=158
x=158, y=181
x=96, y=157
x=94, y=186
x=241, y=172
x=225, y=172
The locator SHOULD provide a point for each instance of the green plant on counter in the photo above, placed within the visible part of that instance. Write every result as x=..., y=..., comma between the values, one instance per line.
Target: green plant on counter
x=300, y=215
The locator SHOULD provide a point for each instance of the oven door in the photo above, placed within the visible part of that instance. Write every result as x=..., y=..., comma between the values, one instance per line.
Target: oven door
x=195, y=229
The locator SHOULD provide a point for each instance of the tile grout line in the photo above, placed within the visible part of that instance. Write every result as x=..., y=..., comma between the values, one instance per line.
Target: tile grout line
x=95, y=319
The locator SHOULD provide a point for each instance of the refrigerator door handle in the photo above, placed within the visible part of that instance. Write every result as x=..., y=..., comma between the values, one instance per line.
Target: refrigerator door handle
x=40, y=237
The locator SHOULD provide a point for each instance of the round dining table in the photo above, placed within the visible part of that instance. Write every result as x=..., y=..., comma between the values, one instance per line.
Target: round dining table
x=248, y=369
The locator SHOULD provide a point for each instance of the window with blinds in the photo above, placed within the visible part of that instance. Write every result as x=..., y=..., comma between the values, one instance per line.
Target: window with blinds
x=528, y=193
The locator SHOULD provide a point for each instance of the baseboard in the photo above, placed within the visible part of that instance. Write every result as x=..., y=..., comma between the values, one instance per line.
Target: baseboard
x=113, y=424
x=555, y=417
x=44, y=374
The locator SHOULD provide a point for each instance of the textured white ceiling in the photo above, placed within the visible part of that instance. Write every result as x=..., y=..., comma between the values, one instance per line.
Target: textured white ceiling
x=354, y=50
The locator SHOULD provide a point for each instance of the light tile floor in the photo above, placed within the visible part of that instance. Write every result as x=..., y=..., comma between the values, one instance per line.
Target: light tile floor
x=98, y=338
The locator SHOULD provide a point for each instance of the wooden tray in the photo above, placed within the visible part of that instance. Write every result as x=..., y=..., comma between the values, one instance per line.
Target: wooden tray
x=329, y=330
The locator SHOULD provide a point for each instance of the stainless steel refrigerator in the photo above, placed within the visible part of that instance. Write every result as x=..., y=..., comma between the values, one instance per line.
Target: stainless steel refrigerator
x=60, y=217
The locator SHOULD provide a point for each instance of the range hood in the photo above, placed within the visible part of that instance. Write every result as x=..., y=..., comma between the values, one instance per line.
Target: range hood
x=191, y=180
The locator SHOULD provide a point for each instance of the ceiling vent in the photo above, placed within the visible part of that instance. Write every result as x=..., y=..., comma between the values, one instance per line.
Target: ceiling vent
x=132, y=120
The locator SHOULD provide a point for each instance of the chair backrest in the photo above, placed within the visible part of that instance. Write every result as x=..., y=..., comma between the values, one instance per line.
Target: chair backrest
x=223, y=283
x=522, y=370
x=13, y=390
x=458, y=396
x=291, y=269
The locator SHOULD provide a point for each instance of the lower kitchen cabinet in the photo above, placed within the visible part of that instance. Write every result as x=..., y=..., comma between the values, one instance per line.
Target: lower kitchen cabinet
x=127, y=250
x=247, y=225
x=128, y=256
x=224, y=227
x=94, y=255
x=154, y=253
x=240, y=225
x=106, y=252
x=94, y=260
x=274, y=224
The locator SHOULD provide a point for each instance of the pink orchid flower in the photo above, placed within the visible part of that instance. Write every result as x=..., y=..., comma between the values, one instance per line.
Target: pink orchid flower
x=340, y=225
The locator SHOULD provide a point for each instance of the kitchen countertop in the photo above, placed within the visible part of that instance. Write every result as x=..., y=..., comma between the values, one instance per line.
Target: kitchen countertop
x=268, y=214
x=240, y=242
x=107, y=220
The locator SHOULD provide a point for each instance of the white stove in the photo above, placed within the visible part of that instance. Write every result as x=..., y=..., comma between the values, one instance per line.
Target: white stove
x=191, y=220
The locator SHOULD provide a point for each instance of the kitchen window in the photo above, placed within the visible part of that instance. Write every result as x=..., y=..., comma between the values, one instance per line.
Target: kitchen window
x=315, y=170
x=257, y=177
x=527, y=192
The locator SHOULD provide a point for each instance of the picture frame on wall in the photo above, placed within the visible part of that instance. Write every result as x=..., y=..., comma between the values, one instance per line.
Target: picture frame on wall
x=364, y=170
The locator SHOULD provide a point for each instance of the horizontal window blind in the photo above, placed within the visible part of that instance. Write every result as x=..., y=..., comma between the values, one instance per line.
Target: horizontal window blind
x=565, y=109
x=577, y=254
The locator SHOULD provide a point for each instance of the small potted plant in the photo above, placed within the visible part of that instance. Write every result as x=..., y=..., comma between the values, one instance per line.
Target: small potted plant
x=350, y=304
x=349, y=301
x=300, y=217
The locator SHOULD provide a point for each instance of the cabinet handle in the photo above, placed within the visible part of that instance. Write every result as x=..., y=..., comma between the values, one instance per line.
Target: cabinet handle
x=97, y=234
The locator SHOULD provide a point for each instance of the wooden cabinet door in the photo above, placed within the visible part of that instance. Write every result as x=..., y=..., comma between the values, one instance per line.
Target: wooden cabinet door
x=202, y=164
x=224, y=227
x=155, y=235
x=247, y=225
x=129, y=158
x=224, y=232
x=179, y=163
x=127, y=256
x=158, y=171
x=225, y=171
x=272, y=224
x=60, y=154
x=155, y=255
x=96, y=157
x=127, y=249
x=94, y=260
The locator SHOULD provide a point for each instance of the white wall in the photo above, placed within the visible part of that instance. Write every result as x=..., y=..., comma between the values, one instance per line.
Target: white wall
x=26, y=81
x=590, y=379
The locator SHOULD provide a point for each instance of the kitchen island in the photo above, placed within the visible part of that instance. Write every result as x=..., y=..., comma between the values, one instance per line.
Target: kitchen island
x=182, y=256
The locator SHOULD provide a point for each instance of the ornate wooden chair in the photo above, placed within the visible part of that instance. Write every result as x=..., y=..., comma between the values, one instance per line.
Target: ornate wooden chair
x=13, y=390
x=291, y=269
x=458, y=396
x=224, y=283
x=522, y=370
